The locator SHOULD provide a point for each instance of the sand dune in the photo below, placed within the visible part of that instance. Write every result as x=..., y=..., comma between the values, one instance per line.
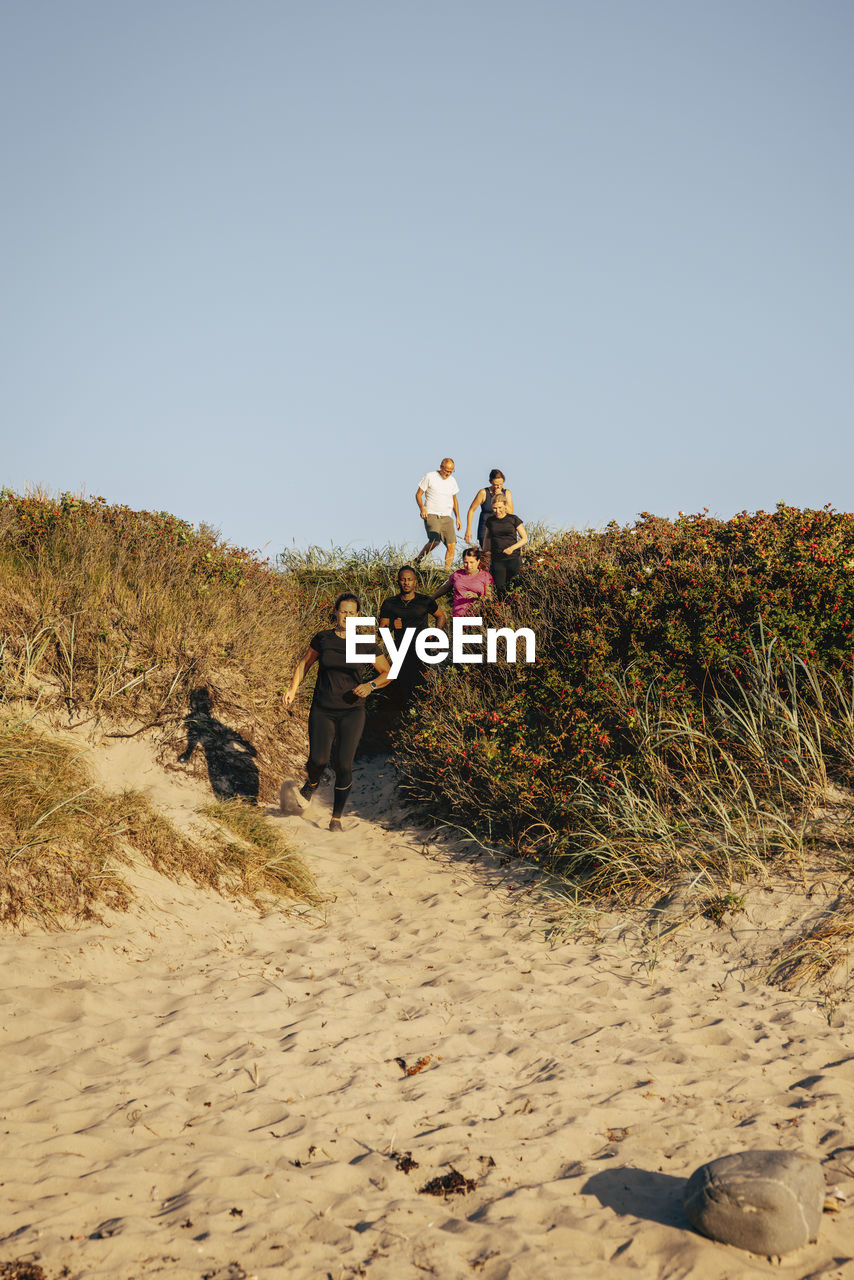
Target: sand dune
x=190, y=1090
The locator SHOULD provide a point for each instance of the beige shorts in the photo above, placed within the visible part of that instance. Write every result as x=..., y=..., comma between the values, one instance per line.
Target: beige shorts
x=441, y=529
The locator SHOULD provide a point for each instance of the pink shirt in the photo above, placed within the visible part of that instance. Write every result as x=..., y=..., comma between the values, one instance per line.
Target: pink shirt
x=476, y=584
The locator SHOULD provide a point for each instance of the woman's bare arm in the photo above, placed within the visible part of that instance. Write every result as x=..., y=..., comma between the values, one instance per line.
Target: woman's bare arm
x=381, y=664
x=479, y=499
x=308, y=659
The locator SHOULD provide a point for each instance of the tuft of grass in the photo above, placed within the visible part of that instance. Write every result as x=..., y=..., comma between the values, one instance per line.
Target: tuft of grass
x=718, y=907
x=723, y=797
x=63, y=843
x=58, y=853
x=319, y=574
x=817, y=953
x=266, y=861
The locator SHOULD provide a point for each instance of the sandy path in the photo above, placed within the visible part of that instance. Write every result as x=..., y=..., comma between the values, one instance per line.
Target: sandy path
x=193, y=1091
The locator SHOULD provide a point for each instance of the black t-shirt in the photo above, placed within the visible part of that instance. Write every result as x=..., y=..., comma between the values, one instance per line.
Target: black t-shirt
x=502, y=534
x=336, y=677
x=412, y=613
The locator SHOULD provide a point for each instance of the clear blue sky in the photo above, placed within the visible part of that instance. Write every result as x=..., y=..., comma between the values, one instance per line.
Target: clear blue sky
x=263, y=264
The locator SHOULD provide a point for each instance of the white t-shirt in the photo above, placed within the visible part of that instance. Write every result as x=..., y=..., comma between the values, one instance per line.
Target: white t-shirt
x=439, y=493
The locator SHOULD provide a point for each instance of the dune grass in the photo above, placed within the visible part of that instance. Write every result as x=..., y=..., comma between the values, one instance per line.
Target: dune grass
x=700, y=808
x=59, y=853
x=264, y=858
x=319, y=574
x=817, y=954
x=720, y=799
x=63, y=843
x=136, y=616
x=138, y=619
x=690, y=710
x=108, y=612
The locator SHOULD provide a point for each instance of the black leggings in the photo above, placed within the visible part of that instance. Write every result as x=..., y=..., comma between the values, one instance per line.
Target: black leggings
x=340, y=730
x=503, y=569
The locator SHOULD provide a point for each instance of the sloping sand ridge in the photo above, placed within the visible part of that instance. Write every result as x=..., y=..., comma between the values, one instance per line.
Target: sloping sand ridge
x=191, y=1090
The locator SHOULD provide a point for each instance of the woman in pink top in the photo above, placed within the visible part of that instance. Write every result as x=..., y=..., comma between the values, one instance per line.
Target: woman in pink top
x=471, y=585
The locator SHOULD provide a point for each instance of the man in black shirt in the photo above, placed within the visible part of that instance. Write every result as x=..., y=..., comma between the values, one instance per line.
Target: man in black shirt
x=409, y=608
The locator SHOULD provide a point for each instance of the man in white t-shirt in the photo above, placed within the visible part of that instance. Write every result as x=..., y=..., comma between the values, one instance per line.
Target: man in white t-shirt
x=437, y=502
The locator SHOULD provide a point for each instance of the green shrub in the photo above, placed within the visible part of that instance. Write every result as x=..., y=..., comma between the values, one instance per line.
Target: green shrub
x=656, y=644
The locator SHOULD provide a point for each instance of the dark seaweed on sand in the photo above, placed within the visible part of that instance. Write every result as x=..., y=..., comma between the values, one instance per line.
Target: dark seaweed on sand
x=449, y=1184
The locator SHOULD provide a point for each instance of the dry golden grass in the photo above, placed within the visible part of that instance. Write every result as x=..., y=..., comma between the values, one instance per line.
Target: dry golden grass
x=110, y=612
x=59, y=852
x=265, y=861
x=63, y=843
x=815, y=955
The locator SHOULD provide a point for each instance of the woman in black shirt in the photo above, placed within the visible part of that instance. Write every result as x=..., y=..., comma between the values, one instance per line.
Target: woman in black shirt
x=337, y=715
x=505, y=537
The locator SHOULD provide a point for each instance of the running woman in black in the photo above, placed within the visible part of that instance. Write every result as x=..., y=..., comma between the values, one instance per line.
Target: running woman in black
x=505, y=537
x=337, y=715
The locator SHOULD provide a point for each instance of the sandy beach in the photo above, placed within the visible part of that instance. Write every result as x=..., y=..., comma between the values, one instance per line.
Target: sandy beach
x=193, y=1090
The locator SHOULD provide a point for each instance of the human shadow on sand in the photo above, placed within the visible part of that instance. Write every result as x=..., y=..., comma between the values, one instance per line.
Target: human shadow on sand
x=230, y=758
x=638, y=1193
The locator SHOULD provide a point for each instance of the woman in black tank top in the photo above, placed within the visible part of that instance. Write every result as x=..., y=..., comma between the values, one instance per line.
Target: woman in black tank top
x=337, y=715
x=484, y=498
